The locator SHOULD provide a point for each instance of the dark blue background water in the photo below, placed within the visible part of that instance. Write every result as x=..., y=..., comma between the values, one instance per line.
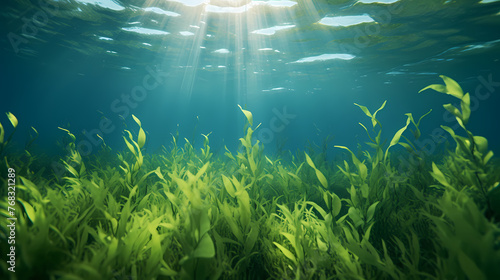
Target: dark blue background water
x=63, y=74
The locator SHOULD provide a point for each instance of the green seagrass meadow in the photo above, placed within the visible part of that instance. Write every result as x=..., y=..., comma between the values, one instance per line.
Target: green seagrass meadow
x=187, y=213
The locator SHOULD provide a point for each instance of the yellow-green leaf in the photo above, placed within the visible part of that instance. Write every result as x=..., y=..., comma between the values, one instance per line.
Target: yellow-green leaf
x=202, y=170
x=294, y=176
x=228, y=153
x=251, y=238
x=158, y=173
x=449, y=130
x=2, y=133
x=129, y=146
x=251, y=162
x=309, y=161
x=30, y=211
x=407, y=147
x=365, y=129
x=322, y=179
x=481, y=144
x=355, y=160
x=398, y=134
x=321, y=245
x=286, y=252
x=418, y=123
x=156, y=255
x=364, y=109
x=114, y=222
x=452, y=109
x=141, y=139
x=248, y=115
x=12, y=119
x=416, y=133
x=204, y=223
x=318, y=208
x=136, y=120
x=374, y=120
x=129, y=136
x=112, y=248
x=365, y=190
x=205, y=248
x=452, y=87
x=69, y=133
x=465, y=104
x=227, y=212
x=228, y=185
x=439, y=176
x=355, y=216
x=244, y=207
x=396, y=137
x=487, y=157
x=33, y=189
x=269, y=160
x=72, y=170
x=336, y=204
x=371, y=211
x=290, y=237
x=436, y=87
x=245, y=143
x=363, y=170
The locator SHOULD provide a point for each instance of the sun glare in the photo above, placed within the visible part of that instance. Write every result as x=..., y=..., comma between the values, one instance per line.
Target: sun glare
x=233, y=39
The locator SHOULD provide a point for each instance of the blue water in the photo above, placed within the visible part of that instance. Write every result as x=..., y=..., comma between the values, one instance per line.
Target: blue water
x=298, y=66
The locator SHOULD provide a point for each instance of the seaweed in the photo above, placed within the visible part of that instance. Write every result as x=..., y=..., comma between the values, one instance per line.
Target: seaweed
x=189, y=213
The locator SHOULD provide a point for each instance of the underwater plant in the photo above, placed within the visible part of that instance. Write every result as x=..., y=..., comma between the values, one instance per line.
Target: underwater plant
x=189, y=213
x=469, y=163
x=4, y=142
